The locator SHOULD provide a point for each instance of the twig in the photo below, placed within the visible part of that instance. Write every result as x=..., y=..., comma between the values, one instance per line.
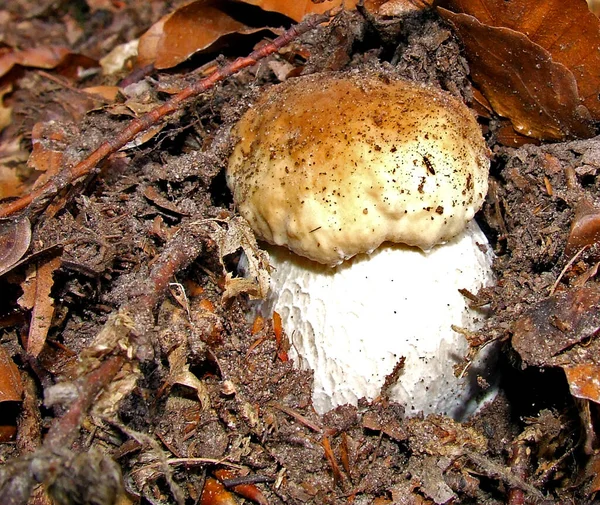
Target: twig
x=64, y=430
x=564, y=270
x=138, y=125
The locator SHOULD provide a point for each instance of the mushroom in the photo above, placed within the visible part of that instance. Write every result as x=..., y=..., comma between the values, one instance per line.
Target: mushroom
x=365, y=185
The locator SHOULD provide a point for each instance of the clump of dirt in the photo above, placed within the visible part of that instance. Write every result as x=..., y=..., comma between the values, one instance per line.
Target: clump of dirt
x=205, y=390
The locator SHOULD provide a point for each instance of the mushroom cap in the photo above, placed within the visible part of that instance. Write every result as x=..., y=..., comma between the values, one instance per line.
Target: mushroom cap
x=333, y=165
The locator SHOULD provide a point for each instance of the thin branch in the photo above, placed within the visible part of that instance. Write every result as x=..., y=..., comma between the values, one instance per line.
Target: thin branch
x=71, y=174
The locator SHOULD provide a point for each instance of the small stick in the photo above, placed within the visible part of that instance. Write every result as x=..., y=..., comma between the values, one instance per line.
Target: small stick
x=64, y=429
x=138, y=125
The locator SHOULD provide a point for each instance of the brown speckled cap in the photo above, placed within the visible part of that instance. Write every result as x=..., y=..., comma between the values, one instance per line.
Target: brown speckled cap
x=332, y=165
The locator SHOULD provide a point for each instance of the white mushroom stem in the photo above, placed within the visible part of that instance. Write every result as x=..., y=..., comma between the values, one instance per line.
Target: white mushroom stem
x=351, y=324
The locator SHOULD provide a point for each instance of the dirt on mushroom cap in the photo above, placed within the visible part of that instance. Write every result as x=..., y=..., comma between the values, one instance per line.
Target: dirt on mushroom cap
x=332, y=166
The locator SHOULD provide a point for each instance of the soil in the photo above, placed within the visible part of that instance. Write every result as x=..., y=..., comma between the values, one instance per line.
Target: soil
x=204, y=390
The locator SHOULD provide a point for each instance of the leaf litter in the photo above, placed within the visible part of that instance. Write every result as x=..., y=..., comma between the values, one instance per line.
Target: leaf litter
x=148, y=314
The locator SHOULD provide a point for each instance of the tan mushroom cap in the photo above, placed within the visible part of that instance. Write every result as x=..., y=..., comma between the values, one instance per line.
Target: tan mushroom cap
x=333, y=165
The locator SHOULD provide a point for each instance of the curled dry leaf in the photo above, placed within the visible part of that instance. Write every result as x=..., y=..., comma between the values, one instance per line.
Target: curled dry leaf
x=522, y=81
x=11, y=387
x=194, y=27
x=238, y=236
x=15, y=237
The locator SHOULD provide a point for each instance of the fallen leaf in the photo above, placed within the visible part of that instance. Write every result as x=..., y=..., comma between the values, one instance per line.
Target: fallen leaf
x=46, y=57
x=15, y=237
x=567, y=30
x=49, y=144
x=584, y=381
x=592, y=472
x=11, y=387
x=116, y=60
x=521, y=81
x=194, y=27
x=214, y=493
x=248, y=491
x=300, y=8
x=396, y=8
x=43, y=310
x=585, y=228
x=5, y=112
x=108, y=93
x=238, y=236
x=557, y=324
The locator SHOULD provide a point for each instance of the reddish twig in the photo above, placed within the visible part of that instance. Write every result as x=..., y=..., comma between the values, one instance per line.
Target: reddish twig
x=138, y=125
x=64, y=430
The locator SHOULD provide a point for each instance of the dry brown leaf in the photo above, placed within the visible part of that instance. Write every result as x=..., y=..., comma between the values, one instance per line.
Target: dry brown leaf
x=521, y=81
x=12, y=155
x=585, y=228
x=15, y=237
x=47, y=153
x=119, y=57
x=393, y=8
x=107, y=5
x=43, y=310
x=566, y=29
x=47, y=57
x=5, y=112
x=238, y=236
x=108, y=93
x=584, y=381
x=197, y=26
x=11, y=387
x=593, y=473
x=297, y=9
x=557, y=324
x=179, y=373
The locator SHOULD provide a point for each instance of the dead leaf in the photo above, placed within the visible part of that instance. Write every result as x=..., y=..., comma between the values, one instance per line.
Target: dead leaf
x=592, y=473
x=197, y=26
x=5, y=112
x=15, y=237
x=567, y=30
x=49, y=145
x=557, y=324
x=248, y=491
x=11, y=387
x=47, y=57
x=300, y=8
x=119, y=57
x=214, y=493
x=396, y=8
x=160, y=201
x=585, y=228
x=107, y=93
x=179, y=373
x=522, y=81
x=238, y=236
x=43, y=310
x=584, y=381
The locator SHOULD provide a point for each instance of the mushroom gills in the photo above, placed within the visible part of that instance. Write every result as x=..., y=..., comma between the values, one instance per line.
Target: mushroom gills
x=352, y=324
